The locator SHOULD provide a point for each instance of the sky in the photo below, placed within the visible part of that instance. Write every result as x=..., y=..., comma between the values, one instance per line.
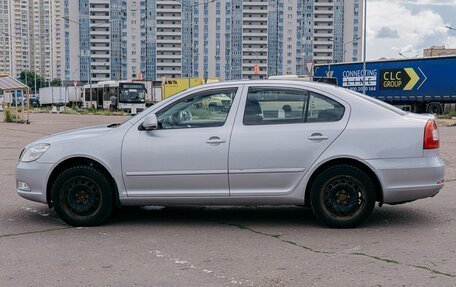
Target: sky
x=408, y=26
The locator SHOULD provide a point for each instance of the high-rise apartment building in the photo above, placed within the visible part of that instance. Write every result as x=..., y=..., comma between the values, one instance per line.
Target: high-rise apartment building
x=353, y=30
x=329, y=31
x=169, y=38
x=95, y=39
x=255, y=40
x=31, y=37
x=71, y=52
x=228, y=39
x=6, y=51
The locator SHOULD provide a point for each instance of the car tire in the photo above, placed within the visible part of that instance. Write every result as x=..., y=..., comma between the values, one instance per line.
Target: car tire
x=82, y=196
x=342, y=196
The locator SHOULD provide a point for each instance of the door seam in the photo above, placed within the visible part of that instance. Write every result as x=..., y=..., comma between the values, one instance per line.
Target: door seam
x=229, y=140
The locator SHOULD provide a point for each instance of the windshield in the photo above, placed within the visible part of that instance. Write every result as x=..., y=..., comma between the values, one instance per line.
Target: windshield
x=132, y=93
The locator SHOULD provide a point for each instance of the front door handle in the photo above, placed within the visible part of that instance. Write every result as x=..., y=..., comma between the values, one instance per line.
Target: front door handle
x=215, y=140
x=318, y=137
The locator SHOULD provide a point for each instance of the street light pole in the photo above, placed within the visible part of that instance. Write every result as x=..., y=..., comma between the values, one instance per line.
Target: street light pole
x=89, y=70
x=75, y=84
x=190, y=72
x=35, y=78
x=364, y=45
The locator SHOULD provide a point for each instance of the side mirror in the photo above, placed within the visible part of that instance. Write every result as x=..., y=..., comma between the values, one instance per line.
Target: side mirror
x=150, y=123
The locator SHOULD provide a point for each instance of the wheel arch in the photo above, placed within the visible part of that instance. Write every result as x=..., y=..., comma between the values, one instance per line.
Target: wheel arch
x=346, y=161
x=75, y=161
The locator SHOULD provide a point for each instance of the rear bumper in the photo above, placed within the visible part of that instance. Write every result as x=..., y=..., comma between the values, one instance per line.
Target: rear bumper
x=409, y=179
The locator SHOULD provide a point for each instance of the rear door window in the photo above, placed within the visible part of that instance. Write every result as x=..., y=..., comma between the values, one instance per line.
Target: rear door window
x=275, y=106
x=267, y=106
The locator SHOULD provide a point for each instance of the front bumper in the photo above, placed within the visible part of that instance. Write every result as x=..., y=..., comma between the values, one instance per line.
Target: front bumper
x=408, y=179
x=35, y=175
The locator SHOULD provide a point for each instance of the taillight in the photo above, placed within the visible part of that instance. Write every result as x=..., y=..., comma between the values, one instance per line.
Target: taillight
x=431, y=135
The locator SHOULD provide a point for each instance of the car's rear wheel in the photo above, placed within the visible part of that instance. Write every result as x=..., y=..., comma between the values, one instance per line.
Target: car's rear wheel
x=82, y=196
x=342, y=196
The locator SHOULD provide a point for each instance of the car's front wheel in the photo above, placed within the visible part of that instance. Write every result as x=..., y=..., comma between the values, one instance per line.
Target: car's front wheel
x=342, y=196
x=82, y=196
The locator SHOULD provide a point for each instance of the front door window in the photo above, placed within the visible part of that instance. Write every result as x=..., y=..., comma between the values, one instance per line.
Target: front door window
x=208, y=109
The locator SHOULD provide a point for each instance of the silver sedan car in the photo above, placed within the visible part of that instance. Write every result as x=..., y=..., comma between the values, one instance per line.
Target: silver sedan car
x=241, y=143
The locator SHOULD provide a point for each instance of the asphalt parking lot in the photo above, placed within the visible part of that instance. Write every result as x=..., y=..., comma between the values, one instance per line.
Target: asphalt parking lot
x=405, y=245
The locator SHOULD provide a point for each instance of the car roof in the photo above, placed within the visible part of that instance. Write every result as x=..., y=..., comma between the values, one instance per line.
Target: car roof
x=304, y=84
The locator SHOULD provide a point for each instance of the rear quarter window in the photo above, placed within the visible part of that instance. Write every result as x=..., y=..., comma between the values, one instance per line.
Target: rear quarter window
x=324, y=109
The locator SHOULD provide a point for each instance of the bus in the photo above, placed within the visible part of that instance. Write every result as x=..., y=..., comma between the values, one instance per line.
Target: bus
x=130, y=96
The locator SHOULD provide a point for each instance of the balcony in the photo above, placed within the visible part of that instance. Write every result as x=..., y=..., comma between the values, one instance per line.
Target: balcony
x=323, y=11
x=322, y=50
x=322, y=58
x=323, y=35
x=323, y=19
x=166, y=33
x=171, y=49
x=169, y=56
x=254, y=41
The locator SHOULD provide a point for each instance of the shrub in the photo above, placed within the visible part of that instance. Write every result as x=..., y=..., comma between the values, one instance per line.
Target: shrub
x=8, y=117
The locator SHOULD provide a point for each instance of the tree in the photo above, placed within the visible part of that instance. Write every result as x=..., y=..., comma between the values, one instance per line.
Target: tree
x=40, y=82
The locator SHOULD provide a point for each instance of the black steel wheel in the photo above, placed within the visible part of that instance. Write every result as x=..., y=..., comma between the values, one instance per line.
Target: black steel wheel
x=82, y=196
x=342, y=196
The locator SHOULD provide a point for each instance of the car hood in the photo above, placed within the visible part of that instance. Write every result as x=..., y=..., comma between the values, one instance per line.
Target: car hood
x=76, y=134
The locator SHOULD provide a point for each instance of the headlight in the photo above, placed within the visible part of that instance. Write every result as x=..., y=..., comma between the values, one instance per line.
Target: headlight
x=33, y=153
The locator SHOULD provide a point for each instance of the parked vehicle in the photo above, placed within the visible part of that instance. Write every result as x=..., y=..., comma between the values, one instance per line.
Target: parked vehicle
x=17, y=99
x=34, y=100
x=277, y=143
x=59, y=95
x=129, y=95
x=423, y=85
x=153, y=91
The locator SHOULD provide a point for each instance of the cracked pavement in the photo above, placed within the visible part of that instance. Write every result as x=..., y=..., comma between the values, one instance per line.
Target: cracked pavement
x=404, y=245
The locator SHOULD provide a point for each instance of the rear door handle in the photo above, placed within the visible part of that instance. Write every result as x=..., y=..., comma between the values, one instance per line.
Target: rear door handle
x=215, y=140
x=318, y=137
